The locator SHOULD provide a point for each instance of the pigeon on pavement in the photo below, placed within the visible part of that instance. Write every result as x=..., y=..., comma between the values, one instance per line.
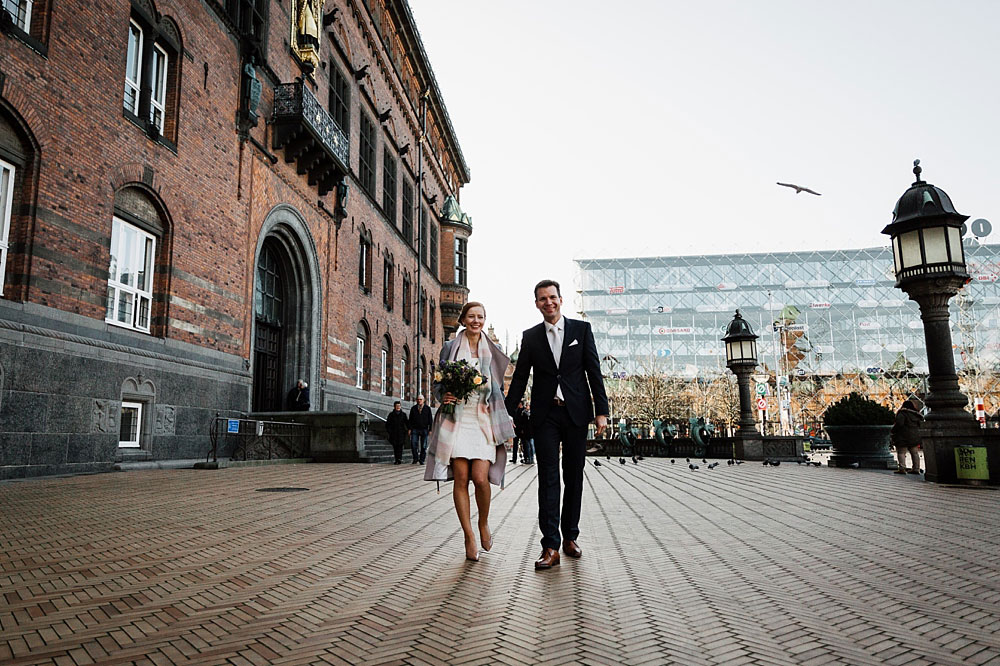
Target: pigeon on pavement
x=621, y=460
x=692, y=466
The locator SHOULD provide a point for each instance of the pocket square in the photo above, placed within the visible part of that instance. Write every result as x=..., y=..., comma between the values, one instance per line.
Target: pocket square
x=575, y=342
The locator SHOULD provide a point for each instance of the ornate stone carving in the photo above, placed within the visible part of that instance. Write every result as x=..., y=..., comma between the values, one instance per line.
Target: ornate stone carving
x=104, y=417
x=166, y=416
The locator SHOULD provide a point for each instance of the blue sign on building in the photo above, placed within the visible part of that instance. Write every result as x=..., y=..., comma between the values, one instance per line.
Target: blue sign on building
x=233, y=425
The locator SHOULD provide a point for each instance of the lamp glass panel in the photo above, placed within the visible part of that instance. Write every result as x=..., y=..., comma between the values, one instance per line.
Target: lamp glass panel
x=955, y=241
x=895, y=253
x=749, y=353
x=729, y=351
x=935, y=247
x=909, y=245
x=753, y=349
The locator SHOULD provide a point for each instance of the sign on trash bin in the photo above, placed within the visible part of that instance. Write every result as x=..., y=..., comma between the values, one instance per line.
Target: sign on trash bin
x=232, y=425
x=970, y=463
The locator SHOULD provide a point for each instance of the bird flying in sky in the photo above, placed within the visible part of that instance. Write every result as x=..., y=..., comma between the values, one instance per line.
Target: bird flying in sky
x=799, y=189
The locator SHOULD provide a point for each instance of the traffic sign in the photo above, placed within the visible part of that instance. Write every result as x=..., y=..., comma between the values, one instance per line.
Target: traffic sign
x=761, y=403
x=761, y=389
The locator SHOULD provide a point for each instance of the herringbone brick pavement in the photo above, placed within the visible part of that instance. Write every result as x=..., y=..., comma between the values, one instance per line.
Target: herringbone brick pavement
x=736, y=565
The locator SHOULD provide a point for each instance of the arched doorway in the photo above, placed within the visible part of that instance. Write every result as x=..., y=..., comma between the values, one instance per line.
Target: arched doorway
x=286, y=316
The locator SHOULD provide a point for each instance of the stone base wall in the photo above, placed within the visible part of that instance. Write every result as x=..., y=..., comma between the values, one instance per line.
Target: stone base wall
x=63, y=378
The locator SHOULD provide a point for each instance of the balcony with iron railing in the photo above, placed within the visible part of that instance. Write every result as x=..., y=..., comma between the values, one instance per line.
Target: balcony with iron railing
x=309, y=136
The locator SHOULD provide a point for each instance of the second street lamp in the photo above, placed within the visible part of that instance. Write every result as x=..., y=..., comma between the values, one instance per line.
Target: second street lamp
x=741, y=358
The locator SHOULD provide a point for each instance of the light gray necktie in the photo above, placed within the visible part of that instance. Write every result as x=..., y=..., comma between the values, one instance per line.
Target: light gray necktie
x=556, y=345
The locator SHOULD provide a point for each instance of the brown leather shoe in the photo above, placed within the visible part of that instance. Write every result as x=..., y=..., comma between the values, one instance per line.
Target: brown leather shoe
x=571, y=549
x=549, y=559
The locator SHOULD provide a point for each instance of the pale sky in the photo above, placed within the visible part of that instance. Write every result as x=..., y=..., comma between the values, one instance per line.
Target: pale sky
x=660, y=127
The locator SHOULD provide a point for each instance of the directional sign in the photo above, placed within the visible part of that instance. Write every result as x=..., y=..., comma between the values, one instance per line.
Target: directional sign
x=761, y=404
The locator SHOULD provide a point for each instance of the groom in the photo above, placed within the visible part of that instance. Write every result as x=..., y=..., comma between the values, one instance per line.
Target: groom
x=567, y=372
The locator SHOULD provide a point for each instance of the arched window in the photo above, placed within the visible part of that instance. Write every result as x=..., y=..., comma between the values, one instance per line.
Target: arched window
x=404, y=377
x=423, y=386
x=385, y=366
x=18, y=161
x=361, y=355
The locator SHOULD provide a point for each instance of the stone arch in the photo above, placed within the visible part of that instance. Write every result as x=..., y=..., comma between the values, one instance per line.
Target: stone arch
x=138, y=402
x=286, y=242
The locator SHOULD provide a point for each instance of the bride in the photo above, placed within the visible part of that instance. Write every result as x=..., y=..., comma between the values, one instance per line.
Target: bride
x=471, y=443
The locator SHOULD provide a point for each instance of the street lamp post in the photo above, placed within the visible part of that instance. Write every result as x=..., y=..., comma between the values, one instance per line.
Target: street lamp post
x=741, y=358
x=930, y=268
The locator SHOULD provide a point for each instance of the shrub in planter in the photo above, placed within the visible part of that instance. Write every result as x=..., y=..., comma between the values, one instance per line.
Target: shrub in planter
x=859, y=432
x=856, y=409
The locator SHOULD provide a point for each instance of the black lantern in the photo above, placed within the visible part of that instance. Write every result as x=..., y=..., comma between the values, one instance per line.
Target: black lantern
x=741, y=343
x=926, y=233
x=741, y=358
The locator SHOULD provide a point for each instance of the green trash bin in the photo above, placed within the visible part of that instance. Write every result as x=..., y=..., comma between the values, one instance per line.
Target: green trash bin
x=970, y=464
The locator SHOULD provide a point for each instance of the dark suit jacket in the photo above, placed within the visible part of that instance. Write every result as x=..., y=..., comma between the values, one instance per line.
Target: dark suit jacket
x=579, y=374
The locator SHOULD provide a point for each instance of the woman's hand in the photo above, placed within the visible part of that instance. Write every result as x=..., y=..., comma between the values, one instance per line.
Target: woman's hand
x=448, y=399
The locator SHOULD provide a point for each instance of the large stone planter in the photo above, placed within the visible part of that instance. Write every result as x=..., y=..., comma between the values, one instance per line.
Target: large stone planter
x=866, y=445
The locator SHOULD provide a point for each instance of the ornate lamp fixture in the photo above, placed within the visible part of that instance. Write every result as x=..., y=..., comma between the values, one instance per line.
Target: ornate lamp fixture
x=741, y=359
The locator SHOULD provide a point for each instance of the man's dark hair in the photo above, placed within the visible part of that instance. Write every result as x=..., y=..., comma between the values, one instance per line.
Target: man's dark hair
x=548, y=283
x=396, y=403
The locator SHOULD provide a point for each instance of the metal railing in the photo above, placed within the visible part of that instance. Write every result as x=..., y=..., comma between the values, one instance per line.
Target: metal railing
x=252, y=439
x=365, y=423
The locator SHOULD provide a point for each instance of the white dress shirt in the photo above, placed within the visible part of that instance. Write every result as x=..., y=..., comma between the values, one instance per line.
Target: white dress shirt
x=554, y=332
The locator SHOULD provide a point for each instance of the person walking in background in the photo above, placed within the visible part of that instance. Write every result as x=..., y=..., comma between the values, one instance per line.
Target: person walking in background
x=298, y=397
x=527, y=437
x=396, y=428
x=518, y=417
x=567, y=391
x=420, y=424
x=905, y=436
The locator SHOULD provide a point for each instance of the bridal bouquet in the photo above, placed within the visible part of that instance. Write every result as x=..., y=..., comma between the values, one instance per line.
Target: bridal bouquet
x=458, y=378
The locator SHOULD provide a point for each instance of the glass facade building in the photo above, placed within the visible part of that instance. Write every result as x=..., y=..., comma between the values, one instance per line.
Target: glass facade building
x=818, y=313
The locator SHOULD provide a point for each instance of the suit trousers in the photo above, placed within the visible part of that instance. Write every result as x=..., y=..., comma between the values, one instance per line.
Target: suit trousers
x=559, y=428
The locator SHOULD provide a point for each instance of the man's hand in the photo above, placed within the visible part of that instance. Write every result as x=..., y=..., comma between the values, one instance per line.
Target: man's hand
x=601, y=423
x=448, y=399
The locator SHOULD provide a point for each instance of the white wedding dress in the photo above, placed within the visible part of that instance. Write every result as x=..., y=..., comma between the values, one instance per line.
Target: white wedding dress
x=470, y=440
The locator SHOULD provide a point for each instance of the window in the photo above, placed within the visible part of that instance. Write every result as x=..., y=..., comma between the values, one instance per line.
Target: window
x=133, y=68
x=386, y=366
x=407, y=217
x=389, y=185
x=131, y=425
x=407, y=297
x=388, y=286
x=404, y=366
x=461, y=261
x=423, y=235
x=364, y=263
x=250, y=17
x=361, y=358
x=340, y=100
x=423, y=313
x=431, y=316
x=20, y=13
x=6, y=198
x=130, y=276
x=435, y=234
x=366, y=155
x=150, y=76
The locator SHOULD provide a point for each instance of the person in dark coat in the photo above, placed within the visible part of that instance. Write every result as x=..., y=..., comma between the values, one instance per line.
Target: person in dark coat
x=519, y=418
x=298, y=397
x=420, y=424
x=905, y=436
x=523, y=427
x=396, y=427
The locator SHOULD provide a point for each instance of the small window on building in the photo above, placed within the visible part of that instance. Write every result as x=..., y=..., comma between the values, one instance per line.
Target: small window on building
x=404, y=367
x=130, y=276
x=388, y=280
x=407, y=300
x=150, y=98
x=340, y=99
x=389, y=185
x=461, y=262
x=6, y=198
x=131, y=425
x=407, y=216
x=432, y=320
x=361, y=357
x=158, y=94
x=423, y=235
x=423, y=313
x=20, y=13
x=435, y=235
x=133, y=68
x=386, y=367
x=366, y=155
x=365, y=263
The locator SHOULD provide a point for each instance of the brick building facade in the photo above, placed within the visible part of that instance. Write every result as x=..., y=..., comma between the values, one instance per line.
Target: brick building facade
x=205, y=200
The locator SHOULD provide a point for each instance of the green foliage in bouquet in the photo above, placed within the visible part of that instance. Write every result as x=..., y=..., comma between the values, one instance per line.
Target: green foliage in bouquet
x=856, y=409
x=458, y=378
